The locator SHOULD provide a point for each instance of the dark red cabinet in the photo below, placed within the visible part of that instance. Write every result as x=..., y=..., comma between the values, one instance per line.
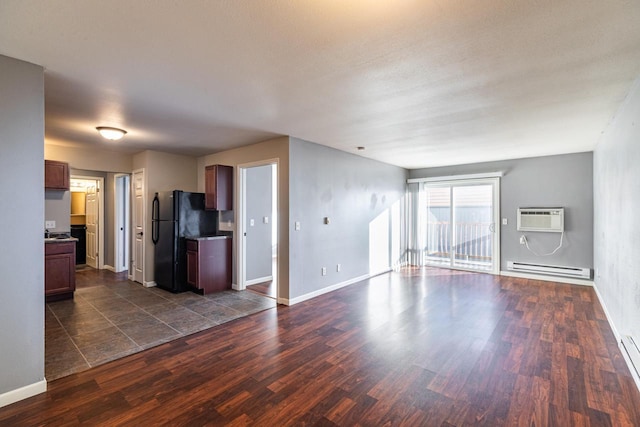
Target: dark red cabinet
x=56, y=175
x=218, y=182
x=209, y=264
x=59, y=270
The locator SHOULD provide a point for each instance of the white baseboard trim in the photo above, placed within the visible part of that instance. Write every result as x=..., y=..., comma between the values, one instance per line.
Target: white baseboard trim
x=258, y=280
x=322, y=291
x=22, y=393
x=283, y=301
x=623, y=350
x=150, y=284
x=607, y=315
x=110, y=268
x=235, y=287
x=558, y=279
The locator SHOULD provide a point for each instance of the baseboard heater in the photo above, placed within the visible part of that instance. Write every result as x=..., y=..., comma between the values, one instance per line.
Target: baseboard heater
x=554, y=270
x=633, y=352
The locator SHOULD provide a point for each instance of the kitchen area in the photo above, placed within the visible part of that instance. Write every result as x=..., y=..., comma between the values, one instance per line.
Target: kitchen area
x=95, y=315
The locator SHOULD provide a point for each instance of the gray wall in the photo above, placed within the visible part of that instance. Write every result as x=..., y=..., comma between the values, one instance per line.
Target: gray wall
x=617, y=227
x=22, y=216
x=349, y=189
x=552, y=181
x=57, y=207
x=259, y=205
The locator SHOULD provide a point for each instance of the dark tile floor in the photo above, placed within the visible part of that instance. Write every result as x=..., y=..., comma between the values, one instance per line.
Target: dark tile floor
x=111, y=317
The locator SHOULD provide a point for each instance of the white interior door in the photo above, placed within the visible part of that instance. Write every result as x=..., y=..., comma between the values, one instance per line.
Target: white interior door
x=138, y=226
x=92, y=225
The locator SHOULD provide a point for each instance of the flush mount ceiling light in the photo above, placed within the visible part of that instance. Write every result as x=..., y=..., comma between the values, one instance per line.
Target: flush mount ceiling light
x=112, y=134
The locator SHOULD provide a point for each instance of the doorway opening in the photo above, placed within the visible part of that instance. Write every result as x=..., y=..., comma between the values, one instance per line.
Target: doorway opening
x=122, y=222
x=87, y=219
x=258, y=228
x=461, y=225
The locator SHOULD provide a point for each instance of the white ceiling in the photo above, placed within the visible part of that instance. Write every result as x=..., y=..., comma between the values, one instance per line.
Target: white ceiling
x=419, y=83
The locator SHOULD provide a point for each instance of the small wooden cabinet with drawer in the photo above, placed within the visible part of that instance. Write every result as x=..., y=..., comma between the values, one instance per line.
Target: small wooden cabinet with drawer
x=209, y=264
x=59, y=270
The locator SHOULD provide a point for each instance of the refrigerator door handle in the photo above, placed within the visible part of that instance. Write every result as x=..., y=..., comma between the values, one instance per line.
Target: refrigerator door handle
x=155, y=225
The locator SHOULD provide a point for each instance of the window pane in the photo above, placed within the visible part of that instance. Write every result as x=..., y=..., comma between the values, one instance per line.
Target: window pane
x=438, y=248
x=472, y=214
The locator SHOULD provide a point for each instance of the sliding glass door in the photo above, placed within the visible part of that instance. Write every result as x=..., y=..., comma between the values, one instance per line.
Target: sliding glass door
x=461, y=223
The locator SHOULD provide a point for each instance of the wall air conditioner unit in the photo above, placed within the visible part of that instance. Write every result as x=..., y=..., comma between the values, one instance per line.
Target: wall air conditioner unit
x=554, y=270
x=549, y=220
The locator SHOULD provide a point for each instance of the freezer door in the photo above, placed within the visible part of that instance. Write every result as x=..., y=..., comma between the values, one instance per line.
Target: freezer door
x=166, y=206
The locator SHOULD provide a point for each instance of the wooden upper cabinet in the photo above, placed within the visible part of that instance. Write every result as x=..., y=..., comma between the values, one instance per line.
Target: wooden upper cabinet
x=219, y=187
x=56, y=175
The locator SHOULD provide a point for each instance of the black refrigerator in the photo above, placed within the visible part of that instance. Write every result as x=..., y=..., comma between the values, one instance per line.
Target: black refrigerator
x=174, y=216
x=80, y=233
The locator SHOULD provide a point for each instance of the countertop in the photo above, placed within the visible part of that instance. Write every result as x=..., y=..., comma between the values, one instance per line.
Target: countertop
x=59, y=240
x=208, y=237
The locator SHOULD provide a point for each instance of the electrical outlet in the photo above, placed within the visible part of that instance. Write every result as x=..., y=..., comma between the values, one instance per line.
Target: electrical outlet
x=49, y=224
x=324, y=271
x=338, y=268
x=523, y=240
x=297, y=225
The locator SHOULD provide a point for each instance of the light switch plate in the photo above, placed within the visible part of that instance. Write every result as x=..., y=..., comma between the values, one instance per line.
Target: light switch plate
x=297, y=225
x=251, y=222
x=49, y=224
x=504, y=221
x=265, y=219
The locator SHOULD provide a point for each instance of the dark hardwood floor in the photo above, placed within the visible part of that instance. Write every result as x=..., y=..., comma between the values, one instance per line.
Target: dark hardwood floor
x=421, y=347
x=267, y=289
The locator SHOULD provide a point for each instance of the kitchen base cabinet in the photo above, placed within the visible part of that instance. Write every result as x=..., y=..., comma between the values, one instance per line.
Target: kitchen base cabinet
x=209, y=264
x=59, y=270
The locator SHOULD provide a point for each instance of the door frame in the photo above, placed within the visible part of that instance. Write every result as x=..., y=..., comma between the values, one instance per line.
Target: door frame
x=495, y=182
x=101, y=222
x=122, y=210
x=242, y=217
